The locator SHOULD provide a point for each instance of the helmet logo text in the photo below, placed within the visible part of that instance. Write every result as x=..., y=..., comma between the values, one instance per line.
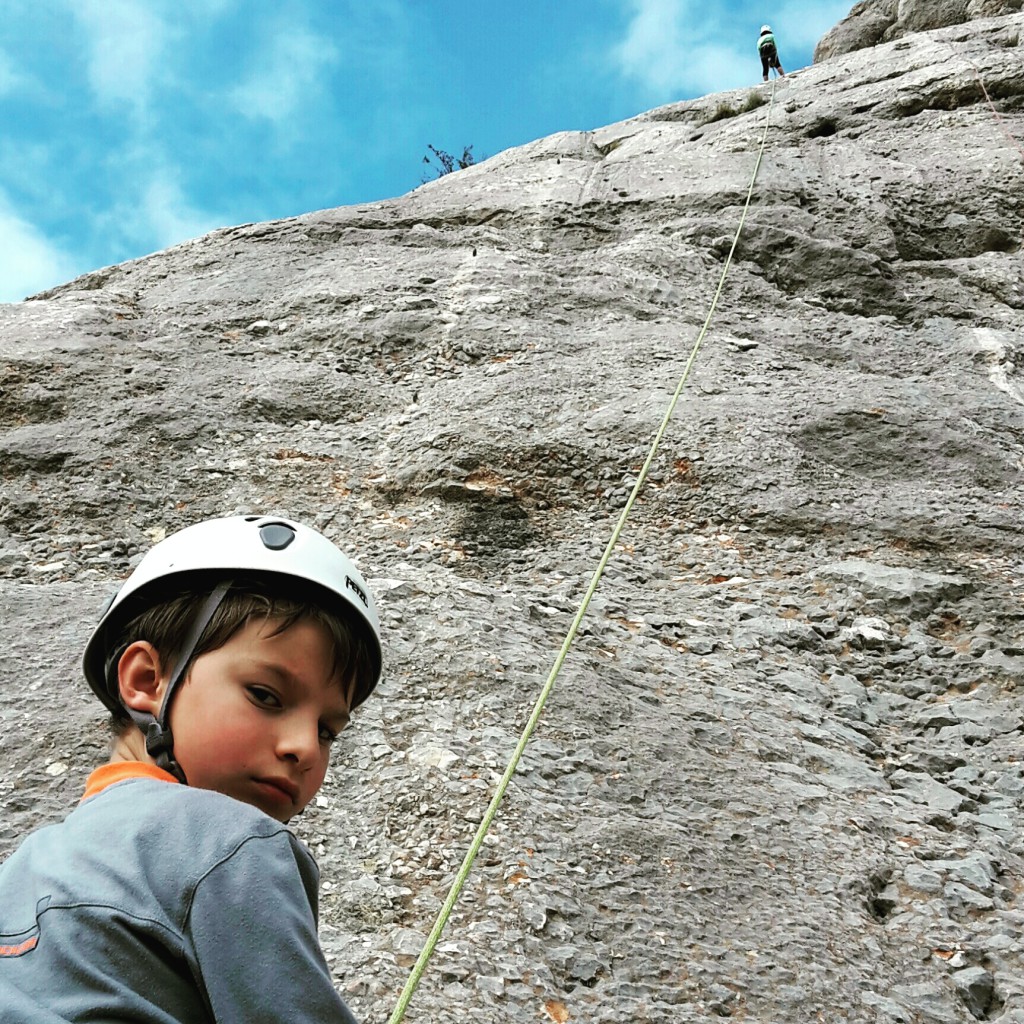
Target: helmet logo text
x=360, y=593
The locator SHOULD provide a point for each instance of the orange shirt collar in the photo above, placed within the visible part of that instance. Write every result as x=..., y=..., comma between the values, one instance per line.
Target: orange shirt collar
x=108, y=774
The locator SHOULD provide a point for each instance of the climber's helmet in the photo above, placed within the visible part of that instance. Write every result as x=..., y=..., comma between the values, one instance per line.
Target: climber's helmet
x=208, y=558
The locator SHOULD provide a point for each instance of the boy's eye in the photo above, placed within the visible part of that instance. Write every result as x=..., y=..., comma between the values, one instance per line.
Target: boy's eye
x=264, y=697
x=327, y=736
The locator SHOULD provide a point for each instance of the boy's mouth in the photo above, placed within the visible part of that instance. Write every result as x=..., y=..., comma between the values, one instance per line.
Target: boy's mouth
x=279, y=788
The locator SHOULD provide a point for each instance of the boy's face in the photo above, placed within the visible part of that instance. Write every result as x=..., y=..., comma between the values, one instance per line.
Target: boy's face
x=255, y=718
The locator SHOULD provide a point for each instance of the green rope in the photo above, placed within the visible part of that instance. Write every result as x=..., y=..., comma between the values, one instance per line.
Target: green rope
x=463, y=873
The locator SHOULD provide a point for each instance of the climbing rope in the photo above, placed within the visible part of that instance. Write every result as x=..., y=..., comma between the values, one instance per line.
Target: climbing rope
x=463, y=873
x=988, y=99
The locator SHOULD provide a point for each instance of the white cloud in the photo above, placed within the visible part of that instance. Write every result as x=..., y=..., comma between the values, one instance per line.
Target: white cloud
x=153, y=210
x=805, y=23
x=677, y=45
x=165, y=216
x=29, y=261
x=9, y=77
x=680, y=47
x=284, y=75
x=653, y=46
x=133, y=47
x=125, y=40
x=714, y=68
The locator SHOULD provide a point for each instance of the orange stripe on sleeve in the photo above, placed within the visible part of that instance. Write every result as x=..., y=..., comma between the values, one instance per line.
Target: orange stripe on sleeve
x=22, y=947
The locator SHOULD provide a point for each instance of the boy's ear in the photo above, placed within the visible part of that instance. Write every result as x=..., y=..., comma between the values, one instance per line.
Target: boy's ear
x=140, y=678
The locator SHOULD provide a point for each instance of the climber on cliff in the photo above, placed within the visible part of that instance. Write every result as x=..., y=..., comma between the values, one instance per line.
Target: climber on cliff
x=769, y=54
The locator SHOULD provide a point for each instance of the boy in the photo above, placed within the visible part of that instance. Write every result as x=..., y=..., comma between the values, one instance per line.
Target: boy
x=230, y=661
x=769, y=52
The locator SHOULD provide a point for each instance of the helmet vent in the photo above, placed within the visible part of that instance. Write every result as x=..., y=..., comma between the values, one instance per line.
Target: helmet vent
x=276, y=536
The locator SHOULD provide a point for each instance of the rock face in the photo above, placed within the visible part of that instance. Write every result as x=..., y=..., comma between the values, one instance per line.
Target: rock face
x=780, y=778
x=879, y=21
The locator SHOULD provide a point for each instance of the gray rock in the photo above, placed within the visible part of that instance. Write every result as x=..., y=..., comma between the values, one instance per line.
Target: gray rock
x=876, y=21
x=1010, y=665
x=997, y=820
x=897, y=588
x=408, y=941
x=929, y=999
x=869, y=633
x=924, y=789
x=884, y=1010
x=761, y=631
x=964, y=897
x=975, y=870
x=919, y=877
x=937, y=716
x=494, y=986
x=974, y=985
x=932, y=761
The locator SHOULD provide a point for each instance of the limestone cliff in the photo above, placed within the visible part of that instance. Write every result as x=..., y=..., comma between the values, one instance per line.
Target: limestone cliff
x=879, y=21
x=781, y=777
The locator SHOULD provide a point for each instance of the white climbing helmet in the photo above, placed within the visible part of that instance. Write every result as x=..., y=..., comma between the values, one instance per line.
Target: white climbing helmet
x=213, y=551
x=765, y=28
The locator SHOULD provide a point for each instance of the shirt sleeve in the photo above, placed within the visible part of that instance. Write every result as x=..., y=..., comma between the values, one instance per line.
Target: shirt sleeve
x=252, y=925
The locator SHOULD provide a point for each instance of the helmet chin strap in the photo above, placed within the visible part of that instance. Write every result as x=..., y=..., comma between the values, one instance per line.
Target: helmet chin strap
x=157, y=729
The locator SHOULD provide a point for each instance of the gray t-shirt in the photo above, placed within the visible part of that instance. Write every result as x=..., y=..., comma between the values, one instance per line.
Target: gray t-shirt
x=161, y=904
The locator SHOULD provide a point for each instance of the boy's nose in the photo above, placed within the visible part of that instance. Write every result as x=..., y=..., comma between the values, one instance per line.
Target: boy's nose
x=299, y=742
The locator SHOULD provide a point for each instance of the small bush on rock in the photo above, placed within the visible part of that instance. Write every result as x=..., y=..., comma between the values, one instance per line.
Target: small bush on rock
x=724, y=110
x=442, y=162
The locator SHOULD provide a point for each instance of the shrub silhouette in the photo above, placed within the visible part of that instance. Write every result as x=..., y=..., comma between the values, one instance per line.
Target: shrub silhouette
x=443, y=162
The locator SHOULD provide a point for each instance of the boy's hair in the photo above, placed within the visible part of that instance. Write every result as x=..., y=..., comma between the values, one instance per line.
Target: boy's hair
x=166, y=626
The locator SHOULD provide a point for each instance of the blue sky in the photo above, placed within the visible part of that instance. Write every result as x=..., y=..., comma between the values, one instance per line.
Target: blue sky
x=129, y=125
